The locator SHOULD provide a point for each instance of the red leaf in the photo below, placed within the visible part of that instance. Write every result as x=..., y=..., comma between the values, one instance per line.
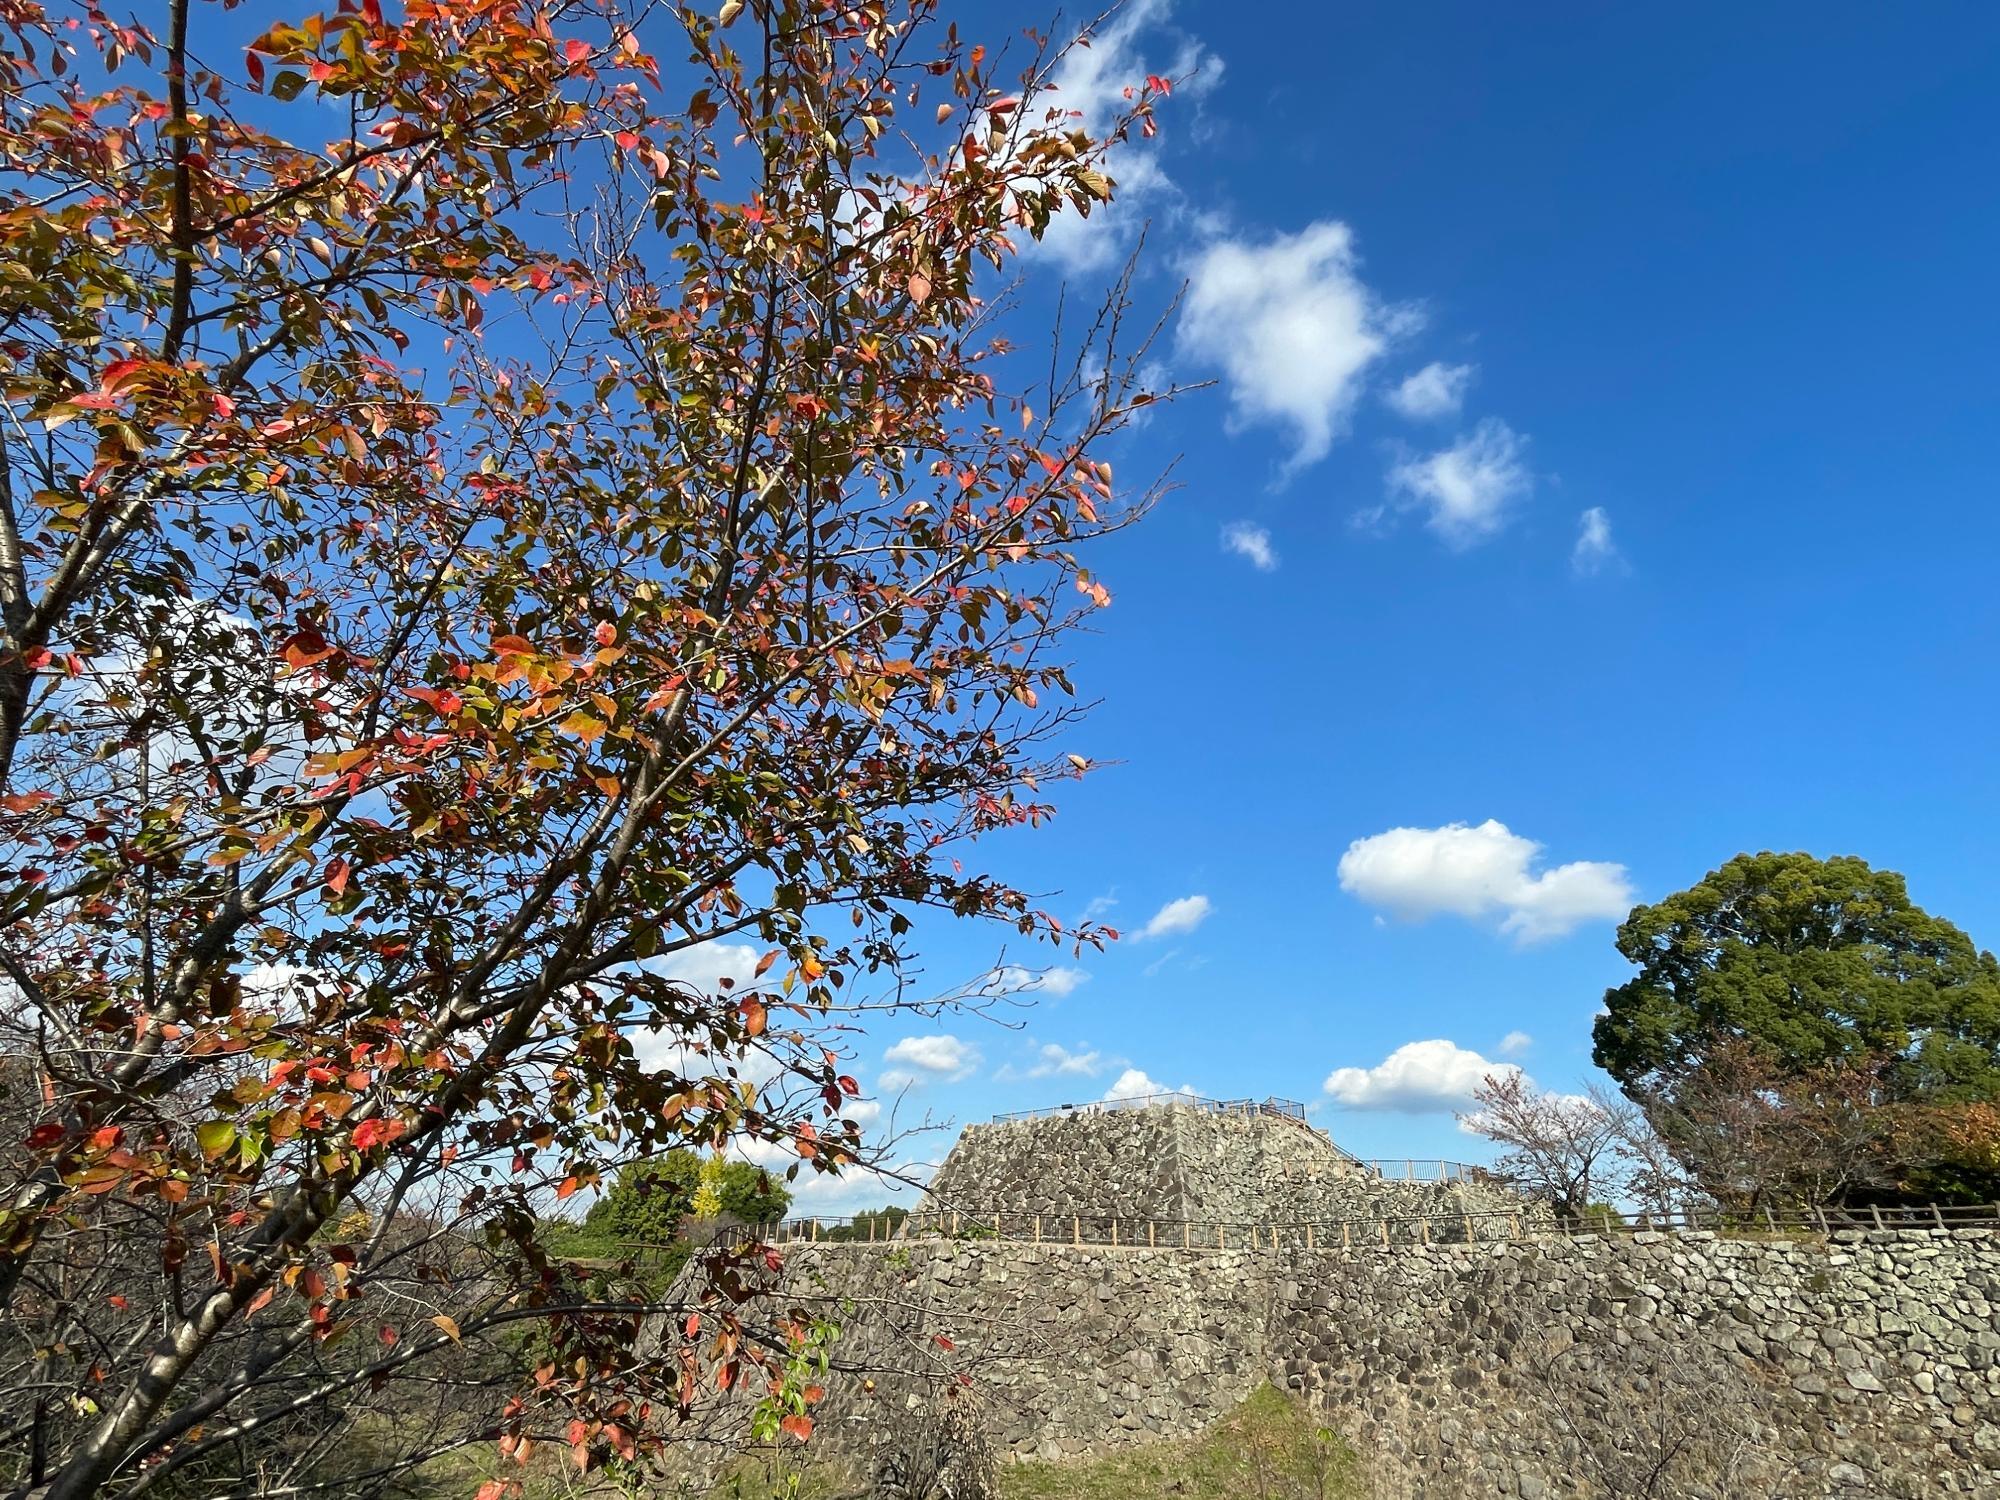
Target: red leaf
x=372, y=1133
x=754, y=1015
x=798, y=1427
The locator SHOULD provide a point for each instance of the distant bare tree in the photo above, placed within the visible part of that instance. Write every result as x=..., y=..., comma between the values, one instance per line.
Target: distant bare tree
x=1564, y=1148
x=1754, y=1135
x=1666, y=1419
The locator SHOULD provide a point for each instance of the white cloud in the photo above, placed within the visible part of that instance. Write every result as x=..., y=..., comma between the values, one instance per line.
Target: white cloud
x=1183, y=915
x=1479, y=872
x=1092, y=82
x=1417, y=1078
x=1437, y=390
x=1134, y=1084
x=670, y=1051
x=1514, y=1043
x=704, y=966
x=1594, y=551
x=1054, y=1061
x=1012, y=979
x=1467, y=488
x=943, y=1056
x=1253, y=542
x=1293, y=328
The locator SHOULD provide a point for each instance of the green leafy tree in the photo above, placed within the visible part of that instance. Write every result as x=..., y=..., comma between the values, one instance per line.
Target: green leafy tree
x=1813, y=962
x=650, y=1201
x=1794, y=1022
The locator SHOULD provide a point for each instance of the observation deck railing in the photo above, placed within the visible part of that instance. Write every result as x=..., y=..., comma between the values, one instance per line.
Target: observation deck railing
x=1287, y=1109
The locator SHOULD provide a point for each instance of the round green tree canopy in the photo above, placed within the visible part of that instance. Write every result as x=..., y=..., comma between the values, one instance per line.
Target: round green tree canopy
x=1813, y=961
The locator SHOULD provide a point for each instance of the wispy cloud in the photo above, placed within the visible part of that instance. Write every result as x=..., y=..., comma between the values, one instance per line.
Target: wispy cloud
x=1251, y=542
x=1093, y=82
x=945, y=1058
x=1437, y=390
x=1182, y=915
x=1595, y=552
x=1468, y=489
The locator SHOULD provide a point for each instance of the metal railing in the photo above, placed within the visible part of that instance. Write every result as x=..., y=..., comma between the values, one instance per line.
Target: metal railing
x=1421, y=1169
x=1530, y=1222
x=1287, y=1109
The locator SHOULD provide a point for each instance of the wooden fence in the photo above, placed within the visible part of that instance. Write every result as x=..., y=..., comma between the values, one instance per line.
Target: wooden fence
x=1488, y=1226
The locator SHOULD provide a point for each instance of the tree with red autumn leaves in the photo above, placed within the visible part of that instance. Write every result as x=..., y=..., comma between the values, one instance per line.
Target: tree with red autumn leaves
x=495, y=495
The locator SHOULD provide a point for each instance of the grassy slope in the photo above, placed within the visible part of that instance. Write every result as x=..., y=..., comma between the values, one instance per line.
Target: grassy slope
x=1269, y=1449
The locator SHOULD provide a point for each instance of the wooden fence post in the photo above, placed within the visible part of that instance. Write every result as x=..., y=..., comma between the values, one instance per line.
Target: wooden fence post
x=1075, y=1229
x=1470, y=1237
x=1385, y=1234
x=1187, y=1235
x=1149, y=1234
x=1346, y=1239
x=1114, y=1231
x=1038, y=1229
x=954, y=1223
x=1309, y=1236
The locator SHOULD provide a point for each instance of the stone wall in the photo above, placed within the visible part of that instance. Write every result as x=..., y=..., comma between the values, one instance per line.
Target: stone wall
x=1868, y=1366
x=1175, y=1164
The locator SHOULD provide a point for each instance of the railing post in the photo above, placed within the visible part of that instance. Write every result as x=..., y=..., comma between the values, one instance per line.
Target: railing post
x=1424, y=1230
x=1221, y=1242
x=1309, y=1235
x=1114, y=1229
x=1038, y=1229
x=1075, y=1229
x=954, y=1223
x=1514, y=1223
x=1938, y=1214
x=1346, y=1239
x=1470, y=1237
x=1385, y=1233
x=815, y=1231
x=1149, y=1234
x=1875, y=1212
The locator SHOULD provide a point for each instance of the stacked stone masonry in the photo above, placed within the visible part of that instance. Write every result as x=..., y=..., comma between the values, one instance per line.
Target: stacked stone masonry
x=1857, y=1365
x=1865, y=1366
x=1173, y=1165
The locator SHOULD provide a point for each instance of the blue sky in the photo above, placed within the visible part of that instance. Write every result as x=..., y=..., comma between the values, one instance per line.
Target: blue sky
x=1679, y=542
